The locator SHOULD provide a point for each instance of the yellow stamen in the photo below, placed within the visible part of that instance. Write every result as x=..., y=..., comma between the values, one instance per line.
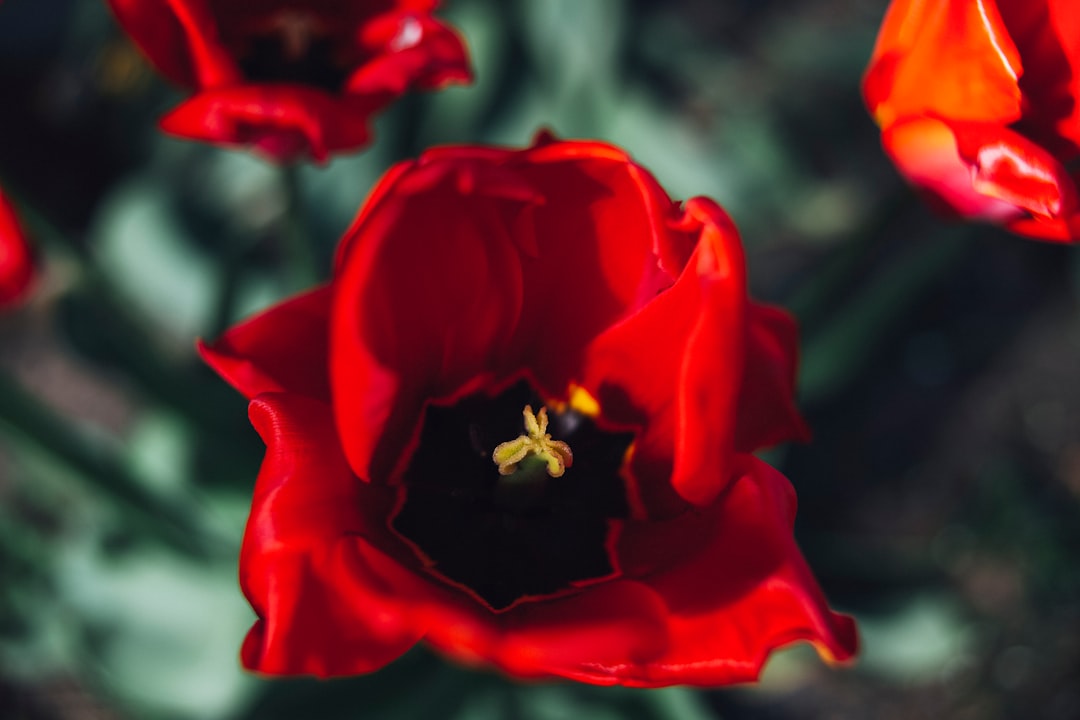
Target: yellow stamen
x=297, y=29
x=537, y=442
x=583, y=402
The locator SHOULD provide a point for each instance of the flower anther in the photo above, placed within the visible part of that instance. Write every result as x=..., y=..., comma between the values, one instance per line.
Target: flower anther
x=535, y=442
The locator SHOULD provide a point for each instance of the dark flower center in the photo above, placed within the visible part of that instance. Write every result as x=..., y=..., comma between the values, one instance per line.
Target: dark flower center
x=292, y=46
x=524, y=535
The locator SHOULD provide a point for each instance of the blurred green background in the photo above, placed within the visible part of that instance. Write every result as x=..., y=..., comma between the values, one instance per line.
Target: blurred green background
x=939, y=501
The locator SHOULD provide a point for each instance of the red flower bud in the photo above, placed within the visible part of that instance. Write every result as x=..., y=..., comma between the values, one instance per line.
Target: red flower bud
x=518, y=424
x=16, y=259
x=979, y=108
x=291, y=78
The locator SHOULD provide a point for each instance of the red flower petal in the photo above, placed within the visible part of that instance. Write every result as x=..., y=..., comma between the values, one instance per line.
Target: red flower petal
x=767, y=412
x=208, y=45
x=925, y=152
x=509, y=304
x=1047, y=33
x=330, y=603
x=978, y=103
x=599, y=224
x=1011, y=168
x=954, y=59
x=322, y=607
x=407, y=49
x=470, y=267
x=179, y=37
x=985, y=171
x=683, y=393
x=426, y=305
x=16, y=260
x=607, y=624
x=734, y=585
x=281, y=121
x=309, y=562
x=259, y=355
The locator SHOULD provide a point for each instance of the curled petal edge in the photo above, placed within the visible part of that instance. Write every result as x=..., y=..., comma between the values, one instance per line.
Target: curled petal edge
x=329, y=603
x=685, y=394
x=257, y=356
x=178, y=37
x=987, y=172
x=743, y=593
x=283, y=122
x=420, y=52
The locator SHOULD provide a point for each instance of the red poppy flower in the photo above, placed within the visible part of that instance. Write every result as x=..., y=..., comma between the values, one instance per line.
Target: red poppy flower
x=517, y=424
x=16, y=260
x=978, y=103
x=291, y=78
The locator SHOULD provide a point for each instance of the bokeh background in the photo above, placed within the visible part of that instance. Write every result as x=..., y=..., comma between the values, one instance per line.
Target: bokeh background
x=939, y=500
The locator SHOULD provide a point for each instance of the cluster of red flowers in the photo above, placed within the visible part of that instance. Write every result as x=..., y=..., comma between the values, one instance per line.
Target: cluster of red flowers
x=519, y=420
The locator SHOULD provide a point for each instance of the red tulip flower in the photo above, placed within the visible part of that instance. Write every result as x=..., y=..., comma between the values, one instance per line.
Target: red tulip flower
x=291, y=78
x=518, y=424
x=979, y=105
x=16, y=259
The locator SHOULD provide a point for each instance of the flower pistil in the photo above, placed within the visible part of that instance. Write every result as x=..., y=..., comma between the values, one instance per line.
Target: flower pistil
x=534, y=442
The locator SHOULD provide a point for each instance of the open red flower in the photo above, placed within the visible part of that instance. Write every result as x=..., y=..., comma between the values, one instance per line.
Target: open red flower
x=979, y=105
x=16, y=259
x=291, y=77
x=517, y=424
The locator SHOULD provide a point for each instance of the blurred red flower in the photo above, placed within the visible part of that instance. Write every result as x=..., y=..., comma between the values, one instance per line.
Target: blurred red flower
x=291, y=78
x=978, y=103
x=16, y=259
x=414, y=489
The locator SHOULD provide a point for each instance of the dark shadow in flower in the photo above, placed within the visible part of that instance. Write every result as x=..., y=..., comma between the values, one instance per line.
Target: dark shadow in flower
x=505, y=539
x=1047, y=82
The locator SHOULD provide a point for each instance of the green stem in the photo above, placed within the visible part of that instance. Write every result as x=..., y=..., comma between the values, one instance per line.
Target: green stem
x=301, y=264
x=842, y=269
x=841, y=348
x=673, y=703
x=678, y=704
x=22, y=552
x=232, y=273
x=172, y=521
